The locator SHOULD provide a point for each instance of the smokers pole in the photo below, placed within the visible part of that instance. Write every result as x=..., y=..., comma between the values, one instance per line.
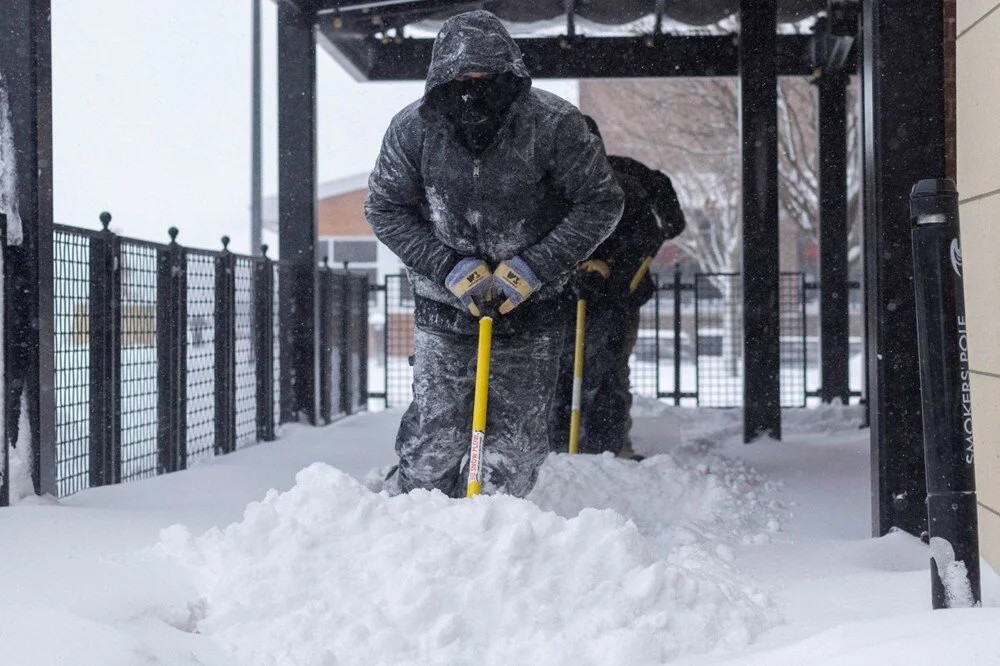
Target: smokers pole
x=945, y=394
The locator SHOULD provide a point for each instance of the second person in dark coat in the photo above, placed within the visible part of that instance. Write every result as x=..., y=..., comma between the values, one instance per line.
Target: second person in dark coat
x=615, y=287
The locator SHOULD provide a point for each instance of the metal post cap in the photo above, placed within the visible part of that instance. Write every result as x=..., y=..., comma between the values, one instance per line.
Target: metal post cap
x=933, y=196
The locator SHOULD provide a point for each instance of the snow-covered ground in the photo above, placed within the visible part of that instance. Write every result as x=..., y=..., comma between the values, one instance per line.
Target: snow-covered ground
x=707, y=552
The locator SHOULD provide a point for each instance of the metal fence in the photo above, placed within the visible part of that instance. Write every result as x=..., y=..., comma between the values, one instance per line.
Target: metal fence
x=689, y=348
x=166, y=355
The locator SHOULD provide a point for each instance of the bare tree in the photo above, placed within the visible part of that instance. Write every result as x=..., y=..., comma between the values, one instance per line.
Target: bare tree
x=689, y=128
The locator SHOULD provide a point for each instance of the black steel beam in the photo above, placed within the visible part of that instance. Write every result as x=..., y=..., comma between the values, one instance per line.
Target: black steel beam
x=759, y=145
x=297, y=203
x=904, y=141
x=833, y=278
x=26, y=74
x=368, y=58
x=263, y=331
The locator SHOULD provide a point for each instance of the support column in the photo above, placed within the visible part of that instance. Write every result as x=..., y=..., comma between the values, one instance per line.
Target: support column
x=26, y=83
x=297, y=204
x=759, y=145
x=904, y=141
x=833, y=282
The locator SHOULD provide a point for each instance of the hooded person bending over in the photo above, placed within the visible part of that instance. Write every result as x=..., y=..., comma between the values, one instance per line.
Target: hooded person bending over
x=487, y=190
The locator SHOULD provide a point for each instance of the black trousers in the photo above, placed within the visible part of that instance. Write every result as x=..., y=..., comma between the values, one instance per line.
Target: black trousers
x=606, y=399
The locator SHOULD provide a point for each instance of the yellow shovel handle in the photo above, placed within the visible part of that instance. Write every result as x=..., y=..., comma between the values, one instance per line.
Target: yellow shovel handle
x=475, y=483
x=574, y=418
x=637, y=278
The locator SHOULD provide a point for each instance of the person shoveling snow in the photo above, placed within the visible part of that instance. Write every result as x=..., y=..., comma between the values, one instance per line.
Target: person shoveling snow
x=487, y=189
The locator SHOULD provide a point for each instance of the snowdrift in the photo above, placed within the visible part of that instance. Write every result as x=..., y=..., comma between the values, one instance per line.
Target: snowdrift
x=331, y=573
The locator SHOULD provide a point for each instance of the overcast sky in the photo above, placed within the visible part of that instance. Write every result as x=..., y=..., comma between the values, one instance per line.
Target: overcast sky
x=152, y=116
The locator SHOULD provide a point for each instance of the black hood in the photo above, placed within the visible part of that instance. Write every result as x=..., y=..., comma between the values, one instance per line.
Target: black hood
x=475, y=41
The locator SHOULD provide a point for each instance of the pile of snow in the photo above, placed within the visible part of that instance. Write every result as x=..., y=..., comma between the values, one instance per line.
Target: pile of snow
x=330, y=572
x=716, y=498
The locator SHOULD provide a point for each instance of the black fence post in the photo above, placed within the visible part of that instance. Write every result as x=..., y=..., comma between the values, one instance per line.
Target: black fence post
x=677, y=334
x=263, y=321
x=346, y=310
x=323, y=287
x=949, y=460
x=361, y=321
x=225, y=350
x=171, y=352
x=697, y=341
x=656, y=335
x=386, y=329
x=104, y=332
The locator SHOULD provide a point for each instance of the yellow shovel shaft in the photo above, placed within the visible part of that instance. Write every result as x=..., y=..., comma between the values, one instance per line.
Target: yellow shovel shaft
x=574, y=418
x=637, y=278
x=474, y=486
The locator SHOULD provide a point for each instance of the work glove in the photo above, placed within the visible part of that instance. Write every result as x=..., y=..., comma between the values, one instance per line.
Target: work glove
x=592, y=279
x=515, y=280
x=470, y=280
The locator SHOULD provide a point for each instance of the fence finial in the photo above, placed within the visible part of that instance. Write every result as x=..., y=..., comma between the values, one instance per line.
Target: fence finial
x=263, y=250
x=225, y=243
x=172, y=232
x=105, y=218
x=326, y=262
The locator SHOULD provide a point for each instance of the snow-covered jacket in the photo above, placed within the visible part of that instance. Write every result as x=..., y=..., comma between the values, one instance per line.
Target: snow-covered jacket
x=542, y=190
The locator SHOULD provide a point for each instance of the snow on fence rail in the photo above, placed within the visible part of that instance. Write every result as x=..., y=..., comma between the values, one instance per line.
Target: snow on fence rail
x=167, y=355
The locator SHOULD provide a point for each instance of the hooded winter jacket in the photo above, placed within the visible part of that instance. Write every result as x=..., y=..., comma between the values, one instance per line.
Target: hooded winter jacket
x=652, y=215
x=542, y=190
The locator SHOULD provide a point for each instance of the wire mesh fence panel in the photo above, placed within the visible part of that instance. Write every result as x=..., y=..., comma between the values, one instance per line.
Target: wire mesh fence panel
x=719, y=339
x=857, y=373
x=811, y=306
x=792, y=303
x=399, y=341
x=276, y=345
x=377, y=347
x=246, y=361
x=645, y=361
x=200, y=389
x=358, y=342
x=71, y=333
x=138, y=361
x=334, y=298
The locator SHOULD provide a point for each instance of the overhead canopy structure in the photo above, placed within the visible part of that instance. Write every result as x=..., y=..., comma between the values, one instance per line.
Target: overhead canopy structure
x=386, y=40
x=356, y=14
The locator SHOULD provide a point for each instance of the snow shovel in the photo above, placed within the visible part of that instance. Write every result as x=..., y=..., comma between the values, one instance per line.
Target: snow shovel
x=574, y=417
x=475, y=482
x=587, y=267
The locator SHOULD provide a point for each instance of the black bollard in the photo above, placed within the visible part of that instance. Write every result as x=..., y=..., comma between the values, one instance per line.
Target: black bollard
x=945, y=395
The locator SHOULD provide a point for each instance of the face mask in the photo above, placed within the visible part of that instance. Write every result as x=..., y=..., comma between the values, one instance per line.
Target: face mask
x=477, y=108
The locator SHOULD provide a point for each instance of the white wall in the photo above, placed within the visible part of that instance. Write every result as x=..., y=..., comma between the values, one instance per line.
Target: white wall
x=978, y=161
